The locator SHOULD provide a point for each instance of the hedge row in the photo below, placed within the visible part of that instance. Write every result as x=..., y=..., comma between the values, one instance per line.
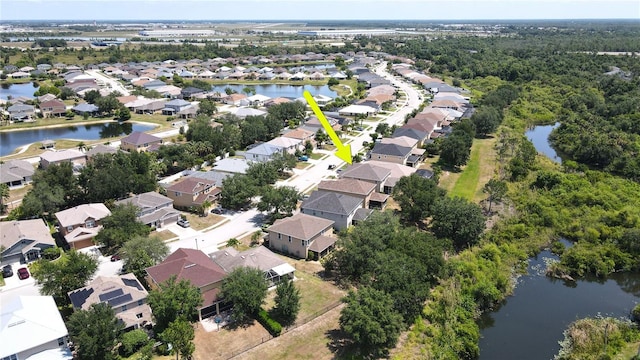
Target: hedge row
x=272, y=326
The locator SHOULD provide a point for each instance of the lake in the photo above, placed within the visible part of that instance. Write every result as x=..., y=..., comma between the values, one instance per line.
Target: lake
x=16, y=90
x=277, y=90
x=539, y=136
x=531, y=322
x=11, y=140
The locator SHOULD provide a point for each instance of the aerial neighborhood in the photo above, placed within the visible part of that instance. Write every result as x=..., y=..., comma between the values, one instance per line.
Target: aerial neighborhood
x=225, y=187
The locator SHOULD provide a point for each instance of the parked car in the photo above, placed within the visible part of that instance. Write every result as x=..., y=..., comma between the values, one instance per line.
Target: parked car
x=115, y=257
x=303, y=158
x=217, y=210
x=331, y=167
x=7, y=271
x=184, y=223
x=23, y=273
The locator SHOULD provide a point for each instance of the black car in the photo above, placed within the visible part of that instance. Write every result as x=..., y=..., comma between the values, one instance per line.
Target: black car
x=331, y=167
x=7, y=271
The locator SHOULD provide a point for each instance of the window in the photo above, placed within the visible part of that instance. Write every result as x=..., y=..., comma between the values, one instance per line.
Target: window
x=12, y=357
x=70, y=228
x=90, y=223
x=124, y=307
x=279, y=236
x=60, y=341
x=139, y=316
x=177, y=193
x=140, y=302
x=289, y=238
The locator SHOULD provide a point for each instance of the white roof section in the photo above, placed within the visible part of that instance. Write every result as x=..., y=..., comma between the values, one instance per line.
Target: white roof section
x=283, y=269
x=245, y=111
x=28, y=322
x=357, y=109
x=258, y=97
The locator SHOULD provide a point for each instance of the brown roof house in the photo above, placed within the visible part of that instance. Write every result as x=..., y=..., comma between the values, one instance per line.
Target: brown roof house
x=51, y=157
x=274, y=268
x=197, y=268
x=80, y=224
x=367, y=172
x=193, y=192
x=52, y=108
x=302, y=235
x=24, y=240
x=139, y=141
x=123, y=293
x=155, y=210
x=358, y=188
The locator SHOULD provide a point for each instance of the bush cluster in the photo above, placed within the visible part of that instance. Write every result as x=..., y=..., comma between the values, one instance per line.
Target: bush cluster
x=272, y=326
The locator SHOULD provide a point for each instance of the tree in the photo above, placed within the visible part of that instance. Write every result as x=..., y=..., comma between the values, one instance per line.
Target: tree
x=237, y=191
x=282, y=113
x=132, y=341
x=107, y=104
x=121, y=226
x=4, y=196
x=455, y=150
x=458, y=220
x=180, y=335
x=333, y=82
x=496, y=190
x=416, y=197
x=321, y=137
x=123, y=113
x=249, y=90
x=92, y=96
x=279, y=201
x=95, y=332
x=140, y=252
x=246, y=289
x=57, y=278
x=486, y=120
x=207, y=107
x=287, y=302
x=172, y=300
x=371, y=321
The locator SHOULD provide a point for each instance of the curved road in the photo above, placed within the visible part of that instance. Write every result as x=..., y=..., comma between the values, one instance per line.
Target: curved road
x=109, y=81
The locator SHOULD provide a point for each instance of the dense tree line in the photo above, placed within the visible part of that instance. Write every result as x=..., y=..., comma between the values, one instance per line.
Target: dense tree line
x=104, y=178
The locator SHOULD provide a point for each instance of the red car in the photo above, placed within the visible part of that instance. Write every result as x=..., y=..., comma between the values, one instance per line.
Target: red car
x=23, y=273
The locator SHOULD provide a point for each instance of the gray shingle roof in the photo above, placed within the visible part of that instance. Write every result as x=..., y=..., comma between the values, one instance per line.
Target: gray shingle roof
x=139, y=138
x=365, y=171
x=301, y=226
x=331, y=202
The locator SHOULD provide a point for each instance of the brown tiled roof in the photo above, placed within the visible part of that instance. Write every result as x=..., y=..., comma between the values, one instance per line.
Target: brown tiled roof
x=366, y=171
x=139, y=138
x=379, y=197
x=191, y=185
x=301, y=226
x=299, y=134
x=346, y=185
x=321, y=243
x=188, y=264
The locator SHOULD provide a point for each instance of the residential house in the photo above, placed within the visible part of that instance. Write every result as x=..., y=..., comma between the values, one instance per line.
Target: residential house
x=52, y=157
x=368, y=172
x=257, y=100
x=235, y=99
x=193, y=192
x=396, y=171
x=139, y=141
x=354, y=110
x=263, y=152
x=243, y=112
x=85, y=108
x=276, y=101
x=390, y=152
x=339, y=208
x=420, y=136
x=16, y=173
x=287, y=144
x=175, y=106
x=190, y=92
x=80, y=224
x=143, y=105
x=358, y=188
x=21, y=112
x=124, y=294
x=274, y=268
x=24, y=240
x=302, y=135
x=53, y=107
x=197, y=268
x=31, y=327
x=302, y=235
x=153, y=84
x=155, y=210
x=100, y=149
x=231, y=166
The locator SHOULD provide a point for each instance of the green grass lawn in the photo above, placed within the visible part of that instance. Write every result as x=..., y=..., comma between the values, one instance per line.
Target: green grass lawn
x=477, y=172
x=317, y=156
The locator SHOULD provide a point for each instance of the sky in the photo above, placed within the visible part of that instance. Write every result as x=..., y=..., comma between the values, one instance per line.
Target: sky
x=317, y=10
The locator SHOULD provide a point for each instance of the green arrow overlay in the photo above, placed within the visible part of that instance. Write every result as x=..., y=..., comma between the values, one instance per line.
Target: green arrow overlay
x=343, y=151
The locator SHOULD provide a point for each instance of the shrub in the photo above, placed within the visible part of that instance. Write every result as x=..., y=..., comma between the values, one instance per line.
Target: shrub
x=132, y=341
x=636, y=313
x=272, y=326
